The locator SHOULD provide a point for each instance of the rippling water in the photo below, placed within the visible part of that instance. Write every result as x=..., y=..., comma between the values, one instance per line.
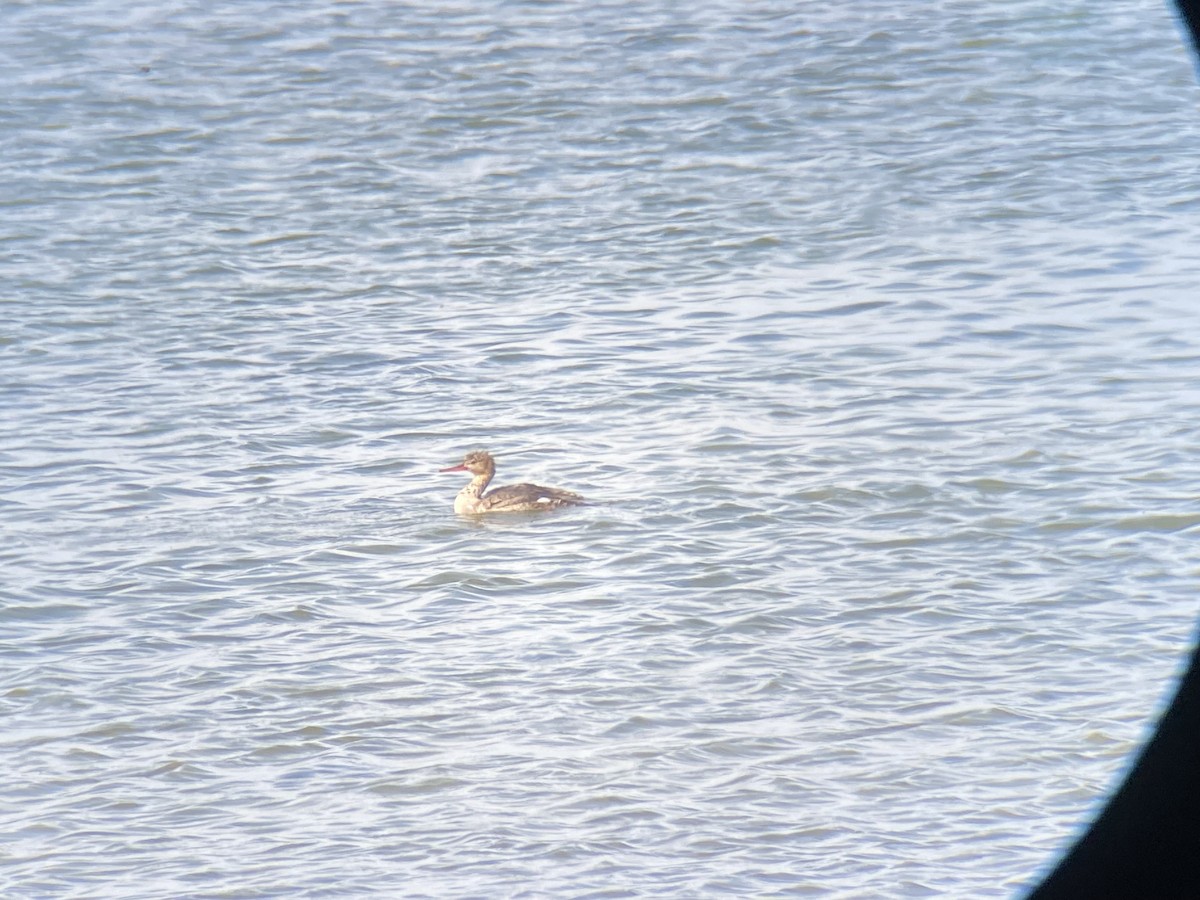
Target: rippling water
x=871, y=332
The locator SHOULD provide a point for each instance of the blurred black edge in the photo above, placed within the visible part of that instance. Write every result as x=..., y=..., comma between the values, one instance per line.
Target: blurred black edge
x=1145, y=844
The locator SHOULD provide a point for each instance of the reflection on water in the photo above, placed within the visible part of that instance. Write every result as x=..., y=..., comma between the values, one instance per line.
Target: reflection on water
x=872, y=342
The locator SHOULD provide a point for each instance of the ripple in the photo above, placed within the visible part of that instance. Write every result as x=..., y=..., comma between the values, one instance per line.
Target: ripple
x=881, y=383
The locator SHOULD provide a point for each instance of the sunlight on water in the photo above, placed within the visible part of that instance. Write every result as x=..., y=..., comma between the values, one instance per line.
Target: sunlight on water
x=871, y=342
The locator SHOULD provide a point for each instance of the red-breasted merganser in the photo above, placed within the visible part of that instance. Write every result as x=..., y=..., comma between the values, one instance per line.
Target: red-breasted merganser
x=471, y=500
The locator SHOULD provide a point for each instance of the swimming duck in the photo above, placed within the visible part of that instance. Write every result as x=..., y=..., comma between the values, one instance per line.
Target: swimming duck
x=472, y=500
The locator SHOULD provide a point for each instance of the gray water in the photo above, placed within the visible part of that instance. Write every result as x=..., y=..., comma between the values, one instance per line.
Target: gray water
x=869, y=329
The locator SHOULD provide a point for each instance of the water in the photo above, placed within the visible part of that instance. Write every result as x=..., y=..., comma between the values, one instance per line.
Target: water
x=874, y=341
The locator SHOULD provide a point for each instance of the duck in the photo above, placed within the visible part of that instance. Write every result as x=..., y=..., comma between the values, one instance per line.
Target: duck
x=472, y=501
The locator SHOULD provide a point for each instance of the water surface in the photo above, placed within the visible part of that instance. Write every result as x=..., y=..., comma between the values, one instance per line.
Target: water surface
x=873, y=339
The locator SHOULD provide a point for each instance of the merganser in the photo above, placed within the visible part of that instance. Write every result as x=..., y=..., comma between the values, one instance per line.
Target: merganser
x=471, y=500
